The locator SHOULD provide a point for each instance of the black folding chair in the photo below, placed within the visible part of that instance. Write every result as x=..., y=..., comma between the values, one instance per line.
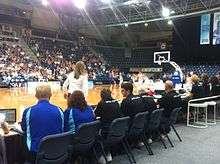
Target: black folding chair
x=84, y=140
x=116, y=135
x=137, y=129
x=172, y=121
x=55, y=149
x=154, y=123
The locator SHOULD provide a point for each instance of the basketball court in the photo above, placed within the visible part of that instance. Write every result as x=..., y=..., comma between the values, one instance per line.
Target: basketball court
x=20, y=98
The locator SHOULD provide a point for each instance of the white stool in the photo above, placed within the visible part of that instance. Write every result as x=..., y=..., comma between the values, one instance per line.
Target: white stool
x=196, y=107
x=217, y=111
x=212, y=104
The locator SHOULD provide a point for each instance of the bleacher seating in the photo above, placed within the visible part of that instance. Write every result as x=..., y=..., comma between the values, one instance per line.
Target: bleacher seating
x=139, y=57
x=211, y=70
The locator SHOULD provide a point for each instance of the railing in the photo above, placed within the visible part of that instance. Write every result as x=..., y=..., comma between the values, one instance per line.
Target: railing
x=204, y=99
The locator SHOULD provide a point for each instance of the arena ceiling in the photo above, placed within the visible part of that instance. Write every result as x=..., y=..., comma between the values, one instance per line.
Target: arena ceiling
x=121, y=12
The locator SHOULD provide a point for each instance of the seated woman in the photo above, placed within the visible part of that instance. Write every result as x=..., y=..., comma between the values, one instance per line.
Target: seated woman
x=198, y=90
x=77, y=113
x=206, y=85
x=215, y=86
x=107, y=109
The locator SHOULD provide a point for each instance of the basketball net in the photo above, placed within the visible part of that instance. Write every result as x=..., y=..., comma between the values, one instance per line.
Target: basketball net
x=159, y=62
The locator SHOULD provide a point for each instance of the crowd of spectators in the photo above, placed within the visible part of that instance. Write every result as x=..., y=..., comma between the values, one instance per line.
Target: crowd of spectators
x=16, y=66
x=61, y=55
x=51, y=60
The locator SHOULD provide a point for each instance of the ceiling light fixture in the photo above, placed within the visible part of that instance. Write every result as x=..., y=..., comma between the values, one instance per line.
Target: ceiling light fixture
x=81, y=4
x=165, y=12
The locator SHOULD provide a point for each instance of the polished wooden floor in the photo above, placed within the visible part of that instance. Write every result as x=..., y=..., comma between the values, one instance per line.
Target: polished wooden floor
x=21, y=98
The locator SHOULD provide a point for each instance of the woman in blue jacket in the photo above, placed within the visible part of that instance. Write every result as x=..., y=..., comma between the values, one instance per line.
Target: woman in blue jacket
x=78, y=112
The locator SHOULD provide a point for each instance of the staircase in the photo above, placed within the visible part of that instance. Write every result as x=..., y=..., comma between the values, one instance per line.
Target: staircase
x=27, y=49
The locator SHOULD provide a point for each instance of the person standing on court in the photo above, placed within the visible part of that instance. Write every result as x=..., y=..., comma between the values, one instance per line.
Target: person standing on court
x=41, y=120
x=76, y=80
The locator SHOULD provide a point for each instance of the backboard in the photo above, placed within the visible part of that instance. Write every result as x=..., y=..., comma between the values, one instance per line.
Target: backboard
x=161, y=57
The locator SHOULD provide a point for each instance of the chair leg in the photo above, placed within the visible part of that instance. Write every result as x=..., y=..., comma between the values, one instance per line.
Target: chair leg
x=126, y=150
x=96, y=156
x=103, y=151
x=147, y=146
x=129, y=149
x=161, y=139
x=174, y=129
x=169, y=140
x=84, y=160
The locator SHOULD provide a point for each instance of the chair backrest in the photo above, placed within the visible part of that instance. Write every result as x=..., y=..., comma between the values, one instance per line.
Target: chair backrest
x=54, y=149
x=149, y=103
x=110, y=111
x=85, y=137
x=155, y=118
x=118, y=129
x=134, y=105
x=138, y=123
x=174, y=115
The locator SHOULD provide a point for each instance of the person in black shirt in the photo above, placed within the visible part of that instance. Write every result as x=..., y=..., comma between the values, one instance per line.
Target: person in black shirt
x=107, y=109
x=206, y=85
x=215, y=86
x=131, y=105
x=169, y=101
x=197, y=89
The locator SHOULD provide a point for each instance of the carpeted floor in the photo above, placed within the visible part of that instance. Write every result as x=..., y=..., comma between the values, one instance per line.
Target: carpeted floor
x=199, y=146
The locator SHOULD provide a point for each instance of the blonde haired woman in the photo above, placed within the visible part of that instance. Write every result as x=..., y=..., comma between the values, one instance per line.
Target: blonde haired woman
x=76, y=80
x=198, y=90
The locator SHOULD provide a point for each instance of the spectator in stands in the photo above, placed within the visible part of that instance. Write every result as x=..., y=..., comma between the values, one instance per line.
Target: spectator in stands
x=169, y=101
x=206, y=85
x=41, y=120
x=78, y=112
x=131, y=105
x=107, y=109
x=77, y=80
x=215, y=85
x=197, y=89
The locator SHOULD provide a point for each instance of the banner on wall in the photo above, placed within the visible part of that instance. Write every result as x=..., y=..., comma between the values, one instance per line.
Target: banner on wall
x=205, y=29
x=216, y=29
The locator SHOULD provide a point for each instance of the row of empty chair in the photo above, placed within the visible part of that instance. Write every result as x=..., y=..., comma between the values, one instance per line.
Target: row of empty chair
x=119, y=57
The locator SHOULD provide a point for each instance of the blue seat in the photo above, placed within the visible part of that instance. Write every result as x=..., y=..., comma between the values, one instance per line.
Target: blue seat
x=55, y=149
x=117, y=134
x=84, y=140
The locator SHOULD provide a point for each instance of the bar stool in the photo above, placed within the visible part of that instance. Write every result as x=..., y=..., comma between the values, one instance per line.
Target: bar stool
x=217, y=110
x=196, y=107
x=212, y=104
